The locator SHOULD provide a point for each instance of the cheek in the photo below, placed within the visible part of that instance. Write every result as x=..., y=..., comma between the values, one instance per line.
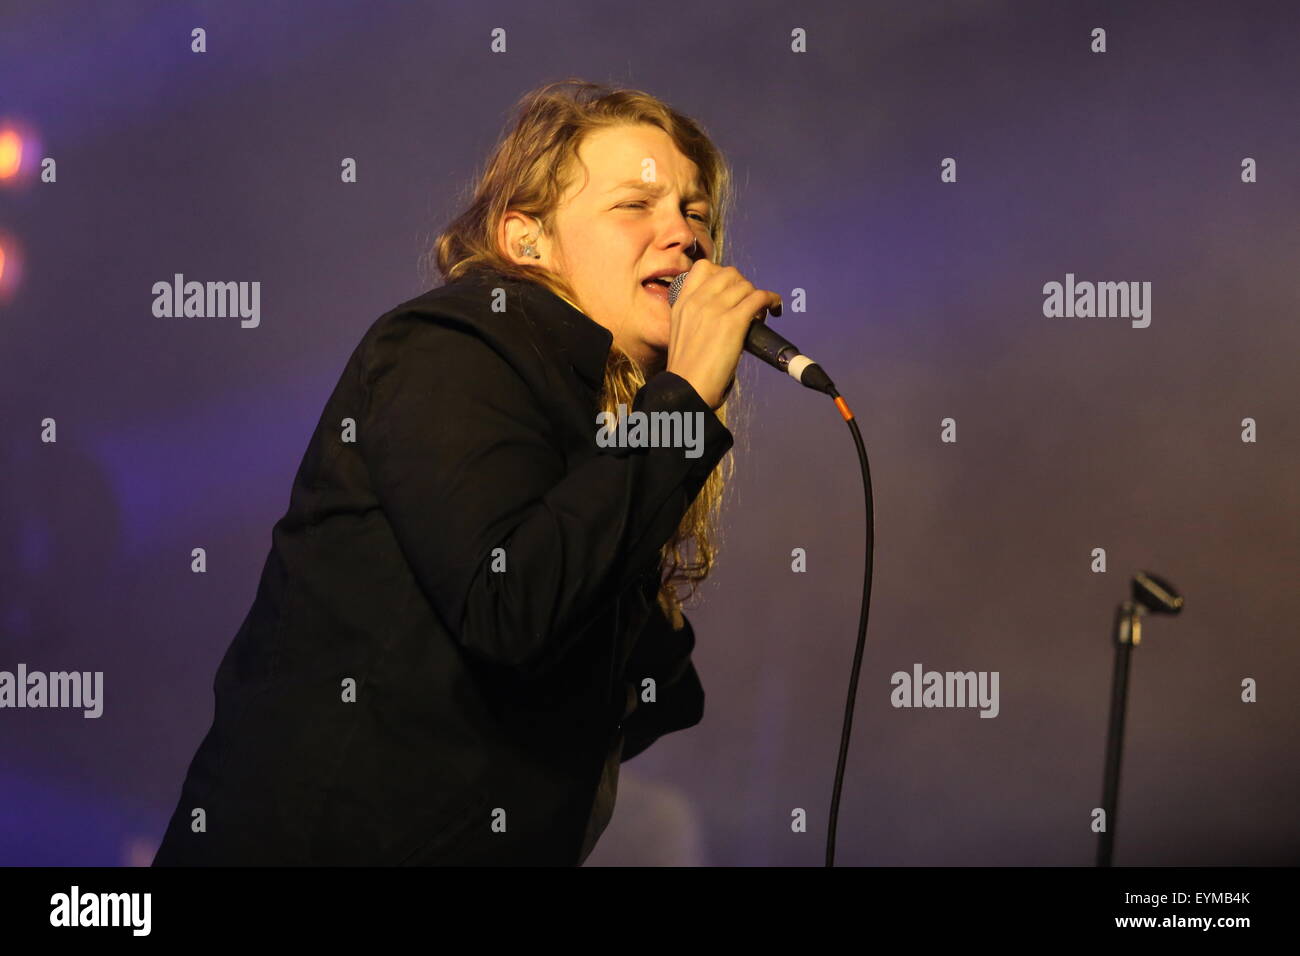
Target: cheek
x=602, y=254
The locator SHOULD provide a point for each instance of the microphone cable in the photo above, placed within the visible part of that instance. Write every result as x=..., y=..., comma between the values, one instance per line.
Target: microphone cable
x=870, y=516
x=765, y=343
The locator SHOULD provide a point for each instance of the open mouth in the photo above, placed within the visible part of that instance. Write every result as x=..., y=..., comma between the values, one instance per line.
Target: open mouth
x=657, y=287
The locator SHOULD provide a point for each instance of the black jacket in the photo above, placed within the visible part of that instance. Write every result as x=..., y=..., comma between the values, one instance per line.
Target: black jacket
x=397, y=695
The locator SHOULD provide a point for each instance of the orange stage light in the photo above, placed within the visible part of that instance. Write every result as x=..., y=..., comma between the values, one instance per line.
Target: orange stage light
x=11, y=153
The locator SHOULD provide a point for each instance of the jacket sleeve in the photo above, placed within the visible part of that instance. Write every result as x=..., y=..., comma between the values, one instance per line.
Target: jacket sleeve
x=665, y=655
x=462, y=462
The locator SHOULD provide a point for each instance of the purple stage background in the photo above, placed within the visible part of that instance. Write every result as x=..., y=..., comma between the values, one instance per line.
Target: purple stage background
x=924, y=301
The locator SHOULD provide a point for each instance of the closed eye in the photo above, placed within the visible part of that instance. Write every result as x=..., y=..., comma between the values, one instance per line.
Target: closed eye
x=701, y=217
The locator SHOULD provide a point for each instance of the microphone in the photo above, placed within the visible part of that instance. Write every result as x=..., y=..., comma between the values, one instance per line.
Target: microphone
x=774, y=349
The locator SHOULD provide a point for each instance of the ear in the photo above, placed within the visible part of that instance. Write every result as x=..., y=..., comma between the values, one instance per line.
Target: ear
x=517, y=227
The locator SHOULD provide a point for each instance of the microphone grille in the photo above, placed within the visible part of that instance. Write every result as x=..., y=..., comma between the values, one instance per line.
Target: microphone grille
x=675, y=288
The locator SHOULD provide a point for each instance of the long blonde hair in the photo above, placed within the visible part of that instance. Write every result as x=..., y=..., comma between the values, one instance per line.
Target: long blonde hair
x=528, y=170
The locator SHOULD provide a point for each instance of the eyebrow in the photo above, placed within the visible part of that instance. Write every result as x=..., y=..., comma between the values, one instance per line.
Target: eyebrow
x=658, y=189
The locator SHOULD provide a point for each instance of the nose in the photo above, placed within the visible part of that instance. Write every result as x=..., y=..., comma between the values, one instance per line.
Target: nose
x=681, y=233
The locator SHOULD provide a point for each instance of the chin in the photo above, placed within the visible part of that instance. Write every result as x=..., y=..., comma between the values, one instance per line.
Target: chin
x=658, y=344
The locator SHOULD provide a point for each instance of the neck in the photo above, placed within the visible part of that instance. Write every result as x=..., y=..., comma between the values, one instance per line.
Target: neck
x=656, y=365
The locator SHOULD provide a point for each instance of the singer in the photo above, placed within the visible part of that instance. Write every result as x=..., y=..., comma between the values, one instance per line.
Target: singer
x=470, y=612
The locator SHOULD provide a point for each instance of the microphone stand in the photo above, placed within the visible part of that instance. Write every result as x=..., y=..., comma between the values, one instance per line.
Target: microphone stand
x=1128, y=634
x=1157, y=596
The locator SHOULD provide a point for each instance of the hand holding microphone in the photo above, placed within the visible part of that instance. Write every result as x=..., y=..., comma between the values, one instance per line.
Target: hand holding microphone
x=712, y=308
x=717, y=313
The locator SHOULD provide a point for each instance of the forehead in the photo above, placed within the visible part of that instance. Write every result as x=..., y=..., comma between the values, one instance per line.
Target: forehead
x=618, y=155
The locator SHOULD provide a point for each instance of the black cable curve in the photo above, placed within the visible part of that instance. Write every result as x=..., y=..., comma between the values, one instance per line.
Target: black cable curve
x=862, y=633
